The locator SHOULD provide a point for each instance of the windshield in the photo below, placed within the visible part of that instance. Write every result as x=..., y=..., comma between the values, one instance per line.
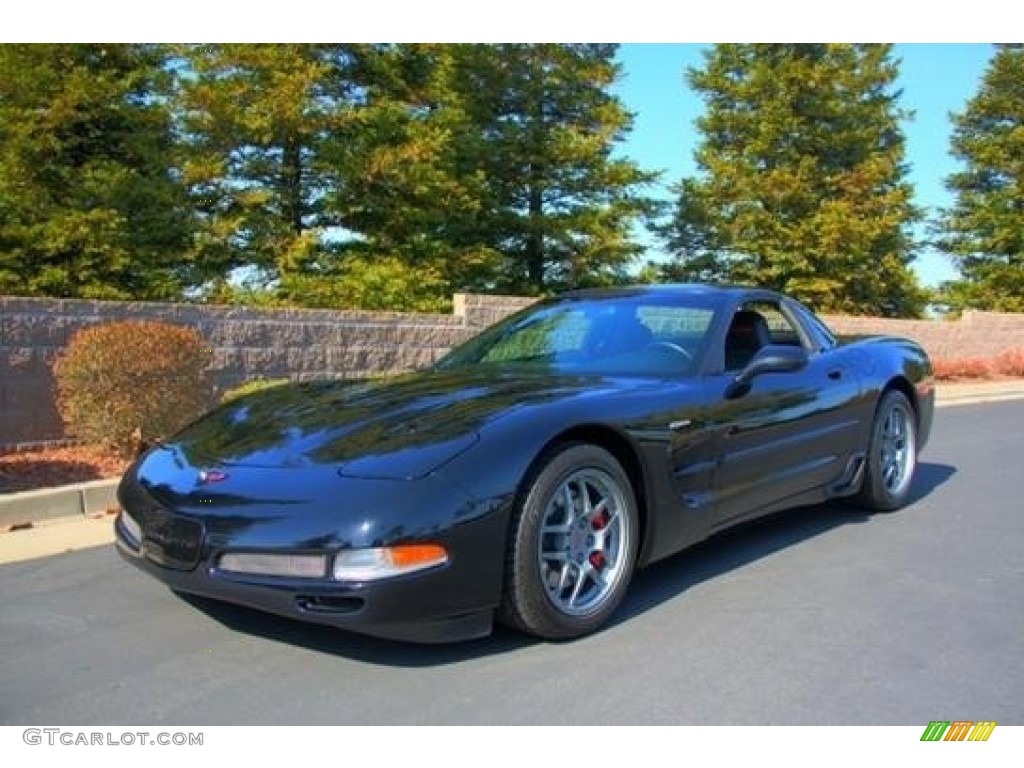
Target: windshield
x=634, y=335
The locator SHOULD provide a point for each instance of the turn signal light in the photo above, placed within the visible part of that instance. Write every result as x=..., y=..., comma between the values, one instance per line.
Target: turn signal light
x=382, y=562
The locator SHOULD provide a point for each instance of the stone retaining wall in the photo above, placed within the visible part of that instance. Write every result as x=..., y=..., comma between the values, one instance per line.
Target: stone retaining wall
x=974, y=334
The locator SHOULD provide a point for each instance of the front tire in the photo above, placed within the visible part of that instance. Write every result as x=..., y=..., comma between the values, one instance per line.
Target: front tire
x=573, y=544
x=892, y=454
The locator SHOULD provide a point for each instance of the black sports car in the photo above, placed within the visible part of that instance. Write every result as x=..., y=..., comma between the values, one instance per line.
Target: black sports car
x=528, y=473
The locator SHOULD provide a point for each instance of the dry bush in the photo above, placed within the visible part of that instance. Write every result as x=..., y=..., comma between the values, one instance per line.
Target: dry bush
x=1010, y=363
x=954, y=368
x=128, y=381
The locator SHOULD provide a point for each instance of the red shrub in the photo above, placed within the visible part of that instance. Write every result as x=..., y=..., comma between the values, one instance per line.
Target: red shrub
x=951, y=369
x=1011, y=362
x=122, y=382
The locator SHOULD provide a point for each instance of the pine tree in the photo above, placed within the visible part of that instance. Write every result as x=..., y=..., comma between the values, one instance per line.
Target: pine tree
x=89, y=204
x=984, y=231
x=488, y=167
x=256, y=121
x=405, y=191
x=803, y=186
x=324, y=170
x=542, y=125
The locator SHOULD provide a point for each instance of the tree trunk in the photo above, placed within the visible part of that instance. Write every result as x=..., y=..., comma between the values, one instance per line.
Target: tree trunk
x=535, y=241
x=291, y=176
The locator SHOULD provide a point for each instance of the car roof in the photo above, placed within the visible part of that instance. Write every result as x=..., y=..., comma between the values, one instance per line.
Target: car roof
x=670, y=290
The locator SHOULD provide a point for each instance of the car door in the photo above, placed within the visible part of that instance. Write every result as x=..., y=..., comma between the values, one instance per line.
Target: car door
x=789, y=433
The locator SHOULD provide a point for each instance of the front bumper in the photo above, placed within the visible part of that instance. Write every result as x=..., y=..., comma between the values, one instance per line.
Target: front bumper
x=181, y=544
x=400, y=608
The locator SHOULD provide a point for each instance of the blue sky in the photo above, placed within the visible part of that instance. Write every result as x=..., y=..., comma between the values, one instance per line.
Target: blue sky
x=935, y=78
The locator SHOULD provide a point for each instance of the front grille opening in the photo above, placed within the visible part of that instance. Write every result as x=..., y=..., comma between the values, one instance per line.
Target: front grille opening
x=329, y=604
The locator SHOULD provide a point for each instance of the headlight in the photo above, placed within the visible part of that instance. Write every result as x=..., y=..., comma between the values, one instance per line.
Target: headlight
x=263, y=564
x=382, y=562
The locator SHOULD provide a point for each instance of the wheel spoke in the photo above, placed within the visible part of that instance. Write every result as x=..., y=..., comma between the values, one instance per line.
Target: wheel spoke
x=558, y=528
x=891, y=475
x=581, y=577
x=606, y=542
x=563, y=577
x=555, y=556
x=586, y=510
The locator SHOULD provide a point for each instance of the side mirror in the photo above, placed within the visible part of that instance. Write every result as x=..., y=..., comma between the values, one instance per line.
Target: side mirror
x=774, y=358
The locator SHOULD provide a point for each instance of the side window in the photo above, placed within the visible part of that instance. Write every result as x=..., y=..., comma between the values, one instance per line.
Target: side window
x=780, y=329
x=821, y=336
x=755, y=325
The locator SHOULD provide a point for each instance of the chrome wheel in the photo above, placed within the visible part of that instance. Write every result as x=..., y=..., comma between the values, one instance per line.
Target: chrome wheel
x=583, y=543
x=898, y=449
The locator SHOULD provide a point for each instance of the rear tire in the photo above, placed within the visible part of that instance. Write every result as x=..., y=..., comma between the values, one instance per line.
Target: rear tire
x=573, y=544
x=892, y=454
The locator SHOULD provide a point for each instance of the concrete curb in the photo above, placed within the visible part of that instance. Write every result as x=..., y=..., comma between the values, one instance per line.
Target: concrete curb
x=56, y=536
x=979, y=399
x=982, y=392
x=79, y=500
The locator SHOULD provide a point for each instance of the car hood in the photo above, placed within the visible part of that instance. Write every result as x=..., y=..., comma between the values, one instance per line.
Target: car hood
x=399, y=427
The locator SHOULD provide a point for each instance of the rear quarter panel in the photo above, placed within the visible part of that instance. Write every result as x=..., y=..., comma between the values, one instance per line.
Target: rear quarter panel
x=884, y=361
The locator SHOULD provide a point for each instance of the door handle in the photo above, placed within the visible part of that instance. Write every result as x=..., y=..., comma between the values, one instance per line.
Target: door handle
x=835, y=374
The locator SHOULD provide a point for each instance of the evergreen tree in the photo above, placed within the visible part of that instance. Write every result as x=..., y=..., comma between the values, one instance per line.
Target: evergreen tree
x=256, y=121
x=89, y=205
x=339, y=175
x=407, y=192
x=803, y=186
x=984, y=231
x=326, y=168
x=488, y=166
x=541, y=129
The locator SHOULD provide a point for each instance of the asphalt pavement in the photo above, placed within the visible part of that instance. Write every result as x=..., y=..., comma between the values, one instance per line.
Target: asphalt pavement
x=824, y=615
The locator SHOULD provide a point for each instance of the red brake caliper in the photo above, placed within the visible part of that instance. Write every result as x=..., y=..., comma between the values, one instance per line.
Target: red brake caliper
x=598, y=522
